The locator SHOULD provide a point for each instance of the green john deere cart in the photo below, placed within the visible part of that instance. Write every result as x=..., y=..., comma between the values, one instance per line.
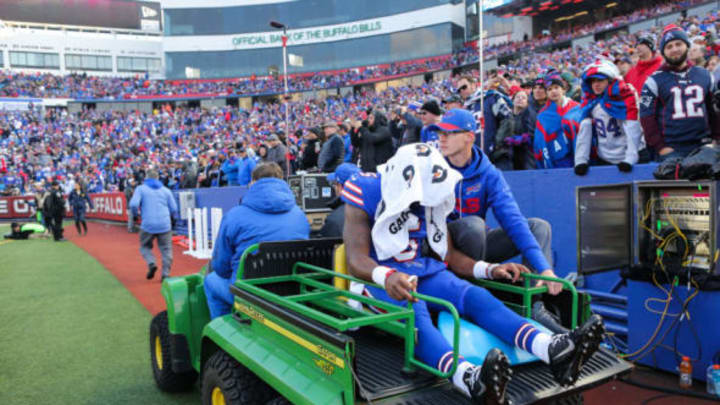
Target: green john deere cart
x=293, y=337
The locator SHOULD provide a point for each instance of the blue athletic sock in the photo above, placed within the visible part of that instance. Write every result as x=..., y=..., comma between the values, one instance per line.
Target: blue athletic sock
x=525, y=336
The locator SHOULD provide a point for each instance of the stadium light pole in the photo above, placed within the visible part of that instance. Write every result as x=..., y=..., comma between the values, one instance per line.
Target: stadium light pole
x=282, y=26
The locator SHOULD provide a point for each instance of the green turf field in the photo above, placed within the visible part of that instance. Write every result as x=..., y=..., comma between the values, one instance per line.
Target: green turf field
x=70, y=333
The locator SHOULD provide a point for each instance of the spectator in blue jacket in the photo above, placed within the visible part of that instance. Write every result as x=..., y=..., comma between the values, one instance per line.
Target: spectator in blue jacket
x=268, y=212
x=483, y=186
x=231, y=167
x=246, y=166
x=157, y=206
x=79, y=201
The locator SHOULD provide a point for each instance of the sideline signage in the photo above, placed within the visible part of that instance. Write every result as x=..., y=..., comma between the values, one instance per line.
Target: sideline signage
x=107, y=206
x=17, y=207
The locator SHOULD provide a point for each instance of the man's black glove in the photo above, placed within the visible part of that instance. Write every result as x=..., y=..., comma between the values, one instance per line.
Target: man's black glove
x=625, y=167
x=581, y=169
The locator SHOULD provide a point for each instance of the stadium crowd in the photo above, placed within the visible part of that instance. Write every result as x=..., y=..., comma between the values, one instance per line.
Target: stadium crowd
x=213, y=147
x=81, y=86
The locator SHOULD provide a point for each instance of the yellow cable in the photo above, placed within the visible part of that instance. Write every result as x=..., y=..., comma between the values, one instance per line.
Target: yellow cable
x=660, y=322
x=658, y=260
x=646, y=215
x=678, y=230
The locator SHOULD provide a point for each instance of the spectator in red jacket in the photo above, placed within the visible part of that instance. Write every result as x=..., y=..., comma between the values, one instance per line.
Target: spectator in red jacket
x=649, y=62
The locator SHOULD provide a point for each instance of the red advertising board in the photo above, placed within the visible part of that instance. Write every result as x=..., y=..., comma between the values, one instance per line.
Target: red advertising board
x=16, y=207
x=107, y=206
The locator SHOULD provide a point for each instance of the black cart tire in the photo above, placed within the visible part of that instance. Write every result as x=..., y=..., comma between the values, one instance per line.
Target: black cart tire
x=227, y=381
x=161, y=358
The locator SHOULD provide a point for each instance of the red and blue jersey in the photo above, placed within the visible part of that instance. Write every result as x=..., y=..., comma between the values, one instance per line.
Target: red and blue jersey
x=363, y=190
x=555, y=131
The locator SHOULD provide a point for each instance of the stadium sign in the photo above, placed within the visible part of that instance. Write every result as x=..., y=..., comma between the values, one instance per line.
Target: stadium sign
x=16, y=207
x=110, y=206
x=311, y=34
x=320, y=34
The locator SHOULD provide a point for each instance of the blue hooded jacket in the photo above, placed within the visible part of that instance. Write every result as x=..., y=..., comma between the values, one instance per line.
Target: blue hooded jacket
x=268, y=212
x=483, y=186
x=156, y=204
x=246, y=165
x=230, y=167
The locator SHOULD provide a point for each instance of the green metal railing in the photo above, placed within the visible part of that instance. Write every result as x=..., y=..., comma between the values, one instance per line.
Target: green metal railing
x=241, y=266
x=527, y=292
x=410, y=322
x=323, y=294
x=354, y=319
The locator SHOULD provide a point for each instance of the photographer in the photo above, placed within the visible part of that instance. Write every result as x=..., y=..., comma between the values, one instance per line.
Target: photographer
x=373, y=140
x=311, y=149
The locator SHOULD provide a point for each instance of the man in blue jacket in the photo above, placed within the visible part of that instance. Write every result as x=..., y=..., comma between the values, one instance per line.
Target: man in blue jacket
x=246, y=166
x=268, y=212
x=230, y=167
x=156, y=205
x=483, y=186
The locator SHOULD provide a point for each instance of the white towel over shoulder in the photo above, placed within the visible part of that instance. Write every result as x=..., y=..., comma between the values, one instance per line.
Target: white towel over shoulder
x=417, y=173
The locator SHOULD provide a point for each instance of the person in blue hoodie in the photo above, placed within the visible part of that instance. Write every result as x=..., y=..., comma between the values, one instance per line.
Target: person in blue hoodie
x=246, y=166
x=268, y=212
x=483, y=186
x=156, y=205
x=231, y=167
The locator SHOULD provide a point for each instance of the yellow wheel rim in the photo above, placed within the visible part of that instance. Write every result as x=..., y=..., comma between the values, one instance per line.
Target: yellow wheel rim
x=217, y=397
x=158, y=353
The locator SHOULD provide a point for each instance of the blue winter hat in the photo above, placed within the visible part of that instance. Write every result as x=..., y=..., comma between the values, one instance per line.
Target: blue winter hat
x=554, y=77
x=672, y=32
x=456, y=120
x=342, y=173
